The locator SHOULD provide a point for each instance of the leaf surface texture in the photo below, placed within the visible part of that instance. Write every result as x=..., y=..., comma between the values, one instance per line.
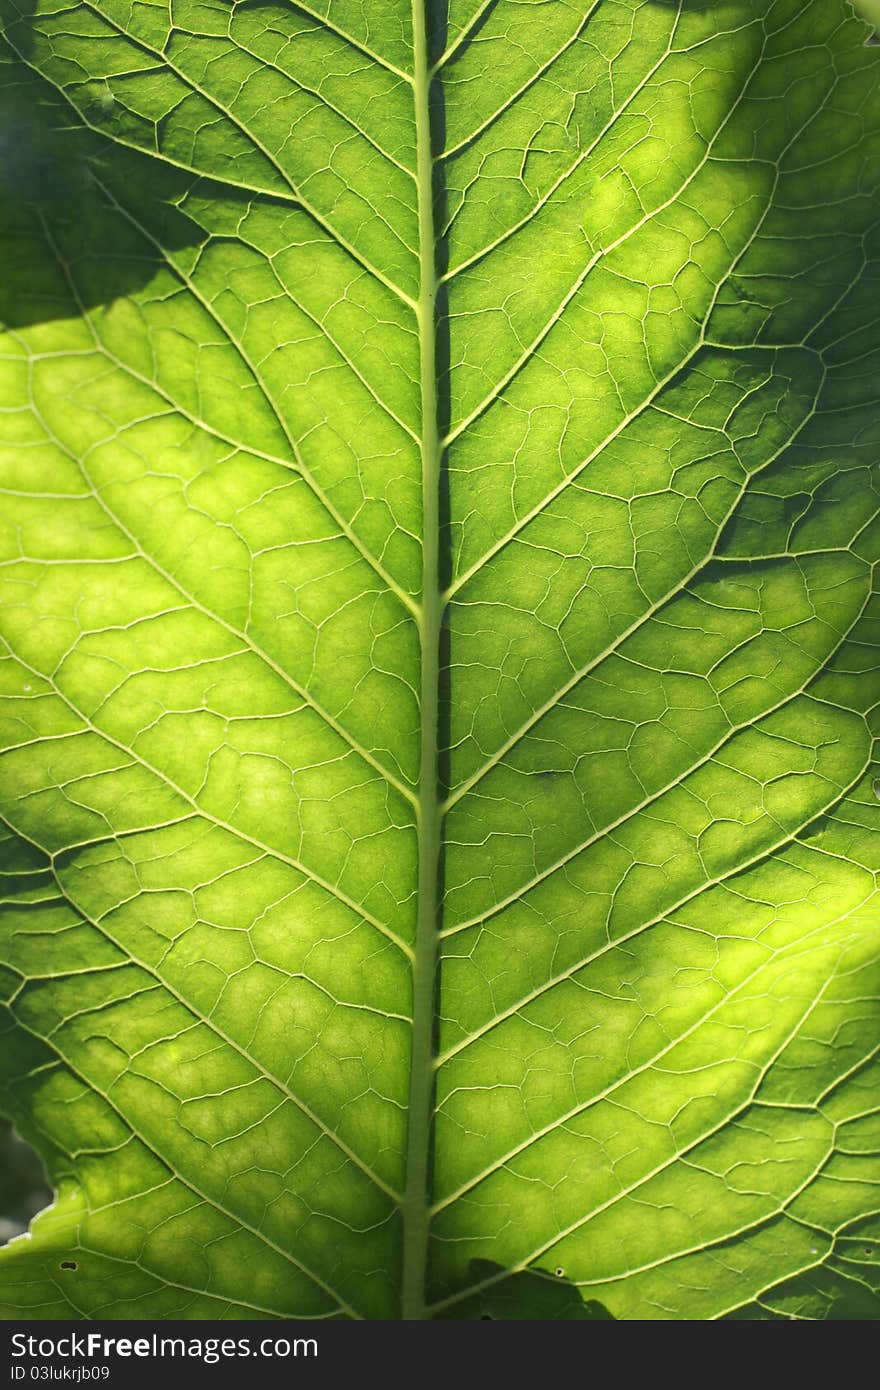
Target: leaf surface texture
x=439, y=520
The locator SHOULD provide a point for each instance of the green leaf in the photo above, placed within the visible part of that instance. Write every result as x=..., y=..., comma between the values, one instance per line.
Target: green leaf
x=439, y=679
x=870, y=9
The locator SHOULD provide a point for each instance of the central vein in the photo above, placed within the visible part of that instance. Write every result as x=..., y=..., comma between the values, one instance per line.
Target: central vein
x=421, y=1095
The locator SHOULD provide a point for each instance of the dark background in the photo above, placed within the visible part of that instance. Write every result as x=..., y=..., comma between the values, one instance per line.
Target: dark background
x=23, y=1187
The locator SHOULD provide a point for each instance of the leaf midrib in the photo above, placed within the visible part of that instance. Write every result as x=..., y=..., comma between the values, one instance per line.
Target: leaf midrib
x=416, y=1200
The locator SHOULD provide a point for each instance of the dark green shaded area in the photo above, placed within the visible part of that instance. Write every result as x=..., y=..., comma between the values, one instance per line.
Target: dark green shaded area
x=657, y=353
x=23, y=1188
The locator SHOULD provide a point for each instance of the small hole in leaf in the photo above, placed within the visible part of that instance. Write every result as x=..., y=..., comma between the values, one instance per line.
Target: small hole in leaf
x=69, y=1264
x=560, y=1272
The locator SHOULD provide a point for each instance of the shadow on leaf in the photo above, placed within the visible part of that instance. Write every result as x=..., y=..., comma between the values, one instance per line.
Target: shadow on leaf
x=67, y=246
x=526, y=1295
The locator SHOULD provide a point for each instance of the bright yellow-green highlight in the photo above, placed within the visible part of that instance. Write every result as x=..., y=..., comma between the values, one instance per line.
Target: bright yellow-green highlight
x=611, y=267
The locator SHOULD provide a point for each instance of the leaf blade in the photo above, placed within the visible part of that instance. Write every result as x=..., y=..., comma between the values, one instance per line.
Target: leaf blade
x=543, y=343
